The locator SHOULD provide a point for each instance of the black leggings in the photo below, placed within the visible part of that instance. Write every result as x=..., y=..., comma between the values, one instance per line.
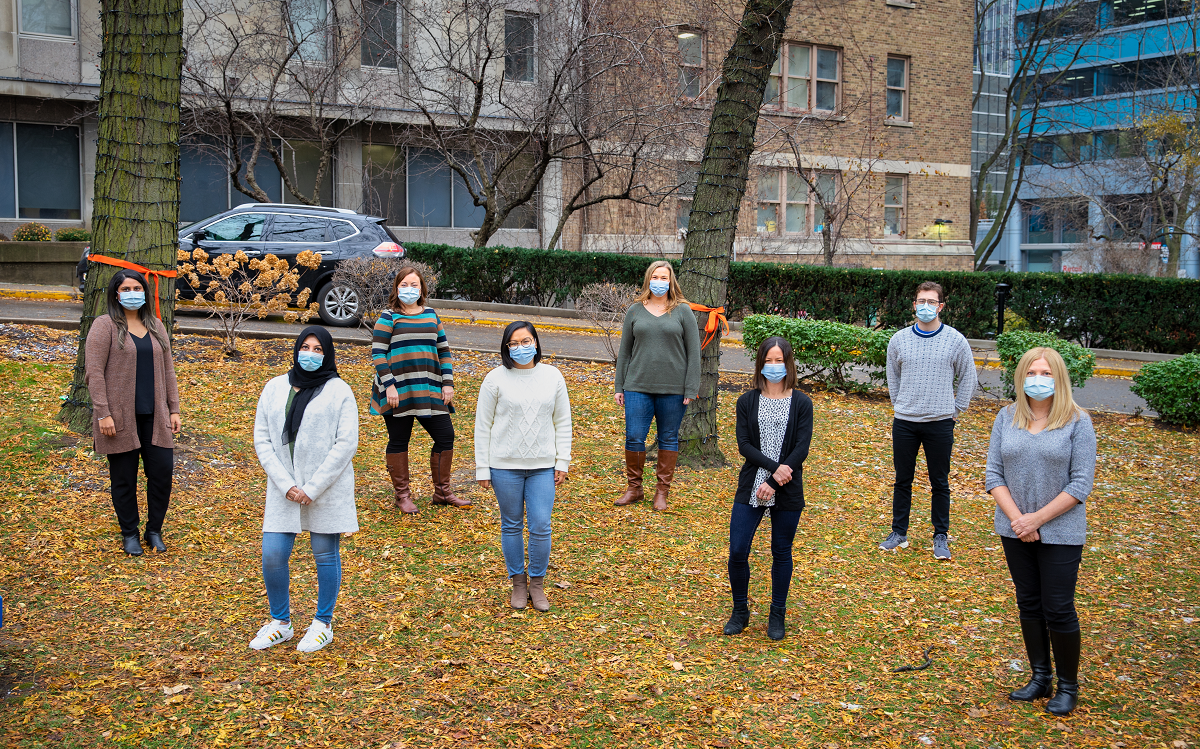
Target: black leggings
x=1044, y=576
x=439, y=427
x=158, y=463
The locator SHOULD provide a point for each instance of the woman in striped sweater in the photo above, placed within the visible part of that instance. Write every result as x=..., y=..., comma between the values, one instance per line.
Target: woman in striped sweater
x=414, y=379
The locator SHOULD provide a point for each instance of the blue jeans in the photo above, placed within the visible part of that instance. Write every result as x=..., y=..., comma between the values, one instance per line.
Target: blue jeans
x=641, y=408
x=277, y=550
x=743, y=522
x=525, y=496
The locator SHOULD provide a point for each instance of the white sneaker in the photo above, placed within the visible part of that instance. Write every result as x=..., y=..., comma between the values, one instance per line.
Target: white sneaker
x=272, y=633
x=319, y=635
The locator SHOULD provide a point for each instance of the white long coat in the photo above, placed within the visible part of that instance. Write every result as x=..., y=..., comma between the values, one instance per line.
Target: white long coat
x=323, y=465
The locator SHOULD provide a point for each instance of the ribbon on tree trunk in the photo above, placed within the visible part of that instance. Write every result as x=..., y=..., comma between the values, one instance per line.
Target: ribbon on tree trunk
x=140, y=269
x=716, y=321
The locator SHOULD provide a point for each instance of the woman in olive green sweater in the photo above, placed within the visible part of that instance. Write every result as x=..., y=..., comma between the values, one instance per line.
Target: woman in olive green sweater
x=658, y=375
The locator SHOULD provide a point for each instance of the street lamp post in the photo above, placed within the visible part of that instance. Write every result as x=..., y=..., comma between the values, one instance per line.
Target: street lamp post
x=1002, y=290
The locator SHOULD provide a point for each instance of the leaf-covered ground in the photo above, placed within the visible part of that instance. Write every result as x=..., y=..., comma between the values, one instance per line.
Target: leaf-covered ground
x=100, y=649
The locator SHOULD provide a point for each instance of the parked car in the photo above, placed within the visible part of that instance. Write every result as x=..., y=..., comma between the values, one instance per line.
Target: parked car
x=283, y=230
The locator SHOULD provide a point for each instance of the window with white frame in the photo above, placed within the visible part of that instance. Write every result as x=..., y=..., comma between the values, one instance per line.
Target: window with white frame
x=897, y=88
x=49, y=17
x=894, y=203
x=308, y=23
x=787, y=205
x=805, y=77
x=691, y=62
x=381, y=33
x=39, y=172
x=520, y=47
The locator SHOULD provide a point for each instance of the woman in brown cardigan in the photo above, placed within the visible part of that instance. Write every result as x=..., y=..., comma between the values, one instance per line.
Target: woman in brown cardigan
x=135, y=405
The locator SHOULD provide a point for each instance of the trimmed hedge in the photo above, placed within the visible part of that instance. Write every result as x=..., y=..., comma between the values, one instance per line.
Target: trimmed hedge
x=1012, y=346
x=823, y=349
x=1172, y=388
x=1136, y=313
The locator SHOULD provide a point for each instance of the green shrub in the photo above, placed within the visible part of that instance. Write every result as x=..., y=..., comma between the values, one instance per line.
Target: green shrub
x=32, y=232
x=1014, y=322
x=1012, y=346
x=1172, y=388
x=824, y=350
x=72, y=235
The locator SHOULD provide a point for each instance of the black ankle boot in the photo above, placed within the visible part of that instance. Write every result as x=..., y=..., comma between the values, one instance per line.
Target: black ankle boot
x=738, y=619
x=154, y=541
x=1037, y=647
x=775, y=626
x=133, y=547
x=1066, y=662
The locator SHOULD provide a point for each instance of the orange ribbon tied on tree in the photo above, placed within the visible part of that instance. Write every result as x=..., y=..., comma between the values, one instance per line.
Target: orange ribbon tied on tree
x=716, y=321
x=140, y=269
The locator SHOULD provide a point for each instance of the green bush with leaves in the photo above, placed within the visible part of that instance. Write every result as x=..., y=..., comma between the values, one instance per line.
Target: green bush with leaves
x=32, y=232
x=1172, y=388
x=825, y=350
x=1012, y=346
x=72, y=235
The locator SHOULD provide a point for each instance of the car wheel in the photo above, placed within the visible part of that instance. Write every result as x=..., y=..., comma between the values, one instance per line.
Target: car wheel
x=339, y=305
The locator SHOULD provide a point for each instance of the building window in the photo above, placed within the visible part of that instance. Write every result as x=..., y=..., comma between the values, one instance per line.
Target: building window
x=520, y=47
x=50, y=17
x=786, y=205
x=381, y=33
x=308, y=27
x=39, y=172
x=1056, y=222
x=791, y=87
x=688, y=177
x=385, y=183
x=691, y=62
x=205, y=187
x=897, y=88
x=893, y=206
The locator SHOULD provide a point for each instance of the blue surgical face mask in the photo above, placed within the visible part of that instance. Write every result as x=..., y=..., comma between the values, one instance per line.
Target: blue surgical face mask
x=309, y=361
x=523, y=354
x=1039, y=387
x=408, y=294
x=774, y=372
x=658, y=288
x=131, y=299
x=927, y=312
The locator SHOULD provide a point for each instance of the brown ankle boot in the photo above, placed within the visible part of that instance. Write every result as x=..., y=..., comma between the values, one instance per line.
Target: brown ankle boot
x=665, y=473
x=537, y=594
x=635, y=462
x=440, y=468
x=397, y=466
x=520, y=593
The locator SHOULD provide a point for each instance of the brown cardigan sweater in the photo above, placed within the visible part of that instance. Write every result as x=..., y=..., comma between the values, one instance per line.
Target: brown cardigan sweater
x=111, y=373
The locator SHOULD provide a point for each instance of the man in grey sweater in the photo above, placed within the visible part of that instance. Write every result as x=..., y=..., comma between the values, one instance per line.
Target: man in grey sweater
x=931, y=378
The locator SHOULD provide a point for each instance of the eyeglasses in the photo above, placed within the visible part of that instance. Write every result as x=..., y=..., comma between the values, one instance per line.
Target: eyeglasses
x=934, y=302
x=518, y=344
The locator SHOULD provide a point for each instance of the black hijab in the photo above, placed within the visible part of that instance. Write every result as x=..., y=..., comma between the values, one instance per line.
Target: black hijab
x=310, y=383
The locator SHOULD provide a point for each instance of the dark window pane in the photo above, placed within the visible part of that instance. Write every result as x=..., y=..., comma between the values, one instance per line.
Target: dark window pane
x=826, y=96
x=266, y=174
x=244, y=227
x=302, y=162
x=827, y=64
x=8, y=172
x=520, y=46
x=48, y=172
x=466, y=214
x=895, y=73
x=379, y=33
x=386, y=188
x=286, y=228
x=204, y=182
x=428, y=188
x=895, y=103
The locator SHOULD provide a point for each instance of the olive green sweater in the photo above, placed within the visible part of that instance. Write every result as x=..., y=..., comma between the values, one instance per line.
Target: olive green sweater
x=659, y=355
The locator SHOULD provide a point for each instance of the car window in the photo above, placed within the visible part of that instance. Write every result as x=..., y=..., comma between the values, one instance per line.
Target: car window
x=342, y=229
x=244, y=227
x=289, y=228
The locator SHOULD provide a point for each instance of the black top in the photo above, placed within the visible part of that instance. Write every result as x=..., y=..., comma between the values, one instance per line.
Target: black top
x=143, y=391
x=796, y=440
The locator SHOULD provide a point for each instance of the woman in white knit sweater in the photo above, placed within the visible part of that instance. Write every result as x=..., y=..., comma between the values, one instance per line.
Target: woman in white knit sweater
x=522, y=451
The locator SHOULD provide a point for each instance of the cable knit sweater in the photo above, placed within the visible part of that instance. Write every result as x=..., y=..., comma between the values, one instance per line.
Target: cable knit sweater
x=523, y=420
x=930, y=377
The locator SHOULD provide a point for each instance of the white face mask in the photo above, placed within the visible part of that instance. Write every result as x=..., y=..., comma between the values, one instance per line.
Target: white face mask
x=408, y=294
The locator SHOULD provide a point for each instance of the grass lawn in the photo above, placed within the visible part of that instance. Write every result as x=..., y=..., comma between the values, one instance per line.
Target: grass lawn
x=102, y=650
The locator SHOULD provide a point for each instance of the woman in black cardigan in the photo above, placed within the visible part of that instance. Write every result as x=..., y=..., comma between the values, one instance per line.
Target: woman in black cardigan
x=774, y=429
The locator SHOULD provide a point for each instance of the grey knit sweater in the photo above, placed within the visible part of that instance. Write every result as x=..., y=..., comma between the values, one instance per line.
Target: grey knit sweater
x=1036, y=468
x=930, y=378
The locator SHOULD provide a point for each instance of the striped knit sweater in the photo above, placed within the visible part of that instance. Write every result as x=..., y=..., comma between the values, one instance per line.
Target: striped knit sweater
x=410, y=352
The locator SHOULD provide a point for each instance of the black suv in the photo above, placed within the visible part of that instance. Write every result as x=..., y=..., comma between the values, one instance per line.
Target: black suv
x=284, y=230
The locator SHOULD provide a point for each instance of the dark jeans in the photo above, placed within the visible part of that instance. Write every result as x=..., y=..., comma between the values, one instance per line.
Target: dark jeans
x=938, y=439
x=1044, y=576
x=641, y=409
x=743, y=522
x=439, y=427
x=158, y=464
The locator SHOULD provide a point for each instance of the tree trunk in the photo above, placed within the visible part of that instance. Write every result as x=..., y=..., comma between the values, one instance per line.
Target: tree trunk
x=135, y=211
x=712, y=227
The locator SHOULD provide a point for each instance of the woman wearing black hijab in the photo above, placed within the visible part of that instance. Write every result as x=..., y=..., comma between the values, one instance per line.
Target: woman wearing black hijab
x=306, y=434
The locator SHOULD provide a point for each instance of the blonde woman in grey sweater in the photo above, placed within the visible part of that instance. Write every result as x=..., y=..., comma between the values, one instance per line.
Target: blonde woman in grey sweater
x=1040, y=467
